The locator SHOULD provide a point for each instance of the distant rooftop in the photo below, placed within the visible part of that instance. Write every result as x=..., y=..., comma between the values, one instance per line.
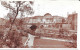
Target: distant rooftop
x=47, y=14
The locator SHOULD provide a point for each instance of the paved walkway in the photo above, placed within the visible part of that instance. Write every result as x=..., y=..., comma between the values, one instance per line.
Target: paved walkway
x=65, y=40
x=45, y=42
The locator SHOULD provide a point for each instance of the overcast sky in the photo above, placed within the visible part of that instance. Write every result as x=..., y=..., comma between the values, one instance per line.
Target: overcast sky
x=55, y=8
x=42, y=7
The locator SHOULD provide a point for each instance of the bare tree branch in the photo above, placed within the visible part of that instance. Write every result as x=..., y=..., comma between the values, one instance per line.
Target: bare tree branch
x=5, y=4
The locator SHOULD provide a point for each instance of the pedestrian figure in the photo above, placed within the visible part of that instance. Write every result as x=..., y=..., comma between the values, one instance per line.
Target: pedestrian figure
x=31, y=36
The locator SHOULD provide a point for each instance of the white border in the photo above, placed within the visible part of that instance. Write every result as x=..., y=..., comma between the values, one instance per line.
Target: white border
x=78, y=37
x=38, y=49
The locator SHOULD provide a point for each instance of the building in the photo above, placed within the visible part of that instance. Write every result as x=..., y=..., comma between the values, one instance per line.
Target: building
x=72, y=19
x=57, y=22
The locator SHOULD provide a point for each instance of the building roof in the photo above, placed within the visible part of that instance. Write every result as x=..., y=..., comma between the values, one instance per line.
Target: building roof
x=47, y=14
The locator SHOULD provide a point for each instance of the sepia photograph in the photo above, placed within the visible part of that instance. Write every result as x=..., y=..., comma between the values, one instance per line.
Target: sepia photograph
x=38, y=24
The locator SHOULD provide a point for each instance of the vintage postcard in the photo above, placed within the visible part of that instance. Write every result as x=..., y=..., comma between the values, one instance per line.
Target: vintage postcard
x=38, y=24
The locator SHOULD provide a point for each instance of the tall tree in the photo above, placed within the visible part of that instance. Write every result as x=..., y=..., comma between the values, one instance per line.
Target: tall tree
x=16, y=9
